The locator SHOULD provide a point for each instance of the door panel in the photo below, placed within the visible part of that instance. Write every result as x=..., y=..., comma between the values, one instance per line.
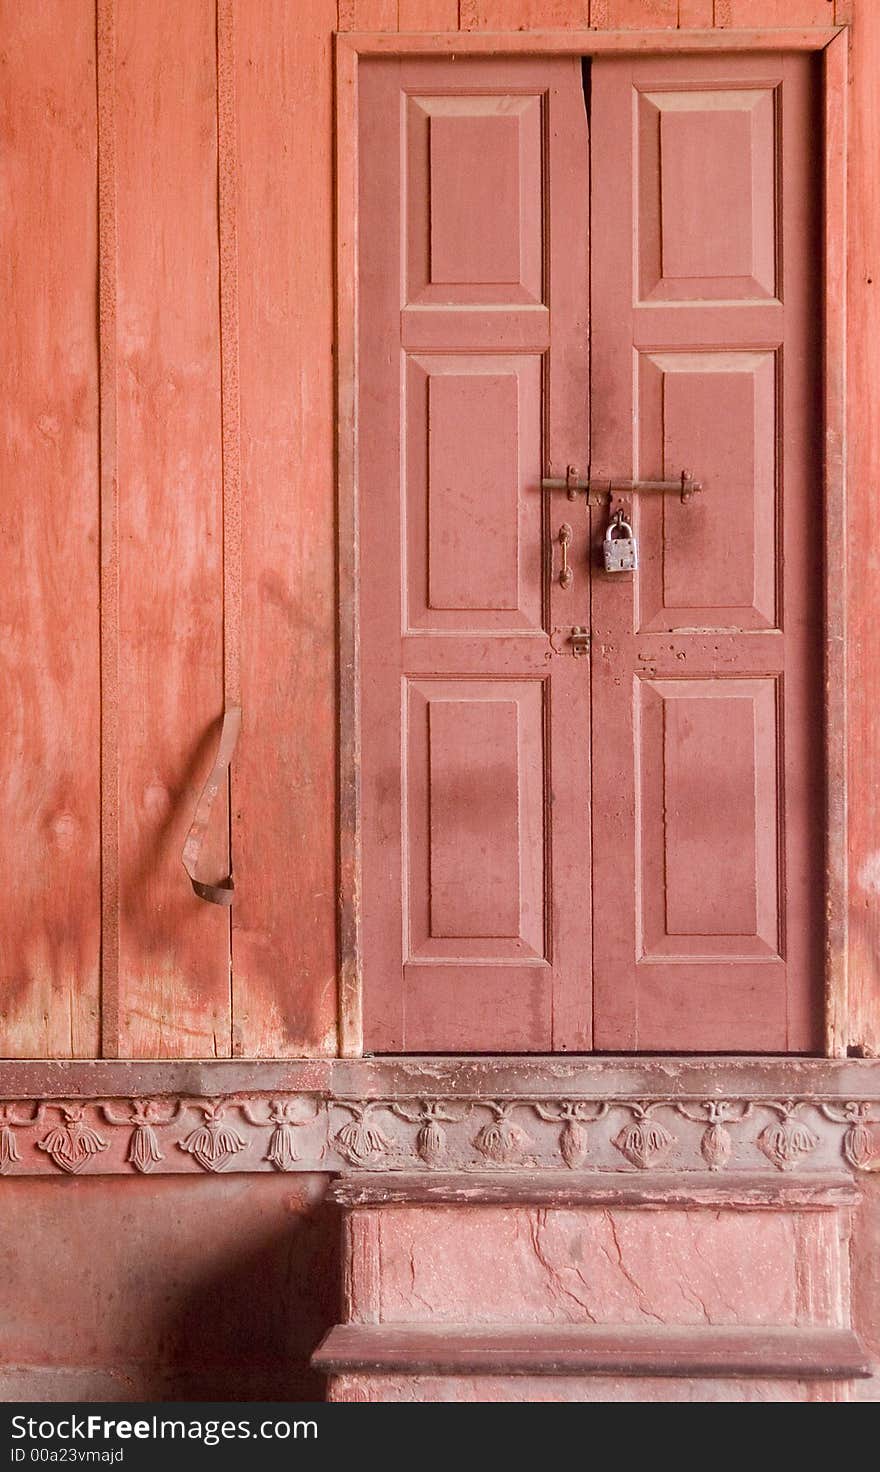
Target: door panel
x=712, y=562
x=706, y=663
x=473, y=384
x=706, y=179
x=707, y=753
x=473, y=523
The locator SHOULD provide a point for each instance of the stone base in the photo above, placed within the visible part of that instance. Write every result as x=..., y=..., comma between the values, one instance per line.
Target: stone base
x=574, y=1388
x=591, y=1288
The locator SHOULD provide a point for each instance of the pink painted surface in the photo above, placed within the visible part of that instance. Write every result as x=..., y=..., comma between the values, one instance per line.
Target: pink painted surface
x=579, y=1389
x=213, y=1289
x=49, y=833
x=707, y=789
x=284, y=829
x=474, y=766
x=173, y=948
x=675, y=1267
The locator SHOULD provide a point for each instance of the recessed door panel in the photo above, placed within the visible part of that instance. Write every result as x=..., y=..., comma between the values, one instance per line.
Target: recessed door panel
x=474, y=210
x=473, y=521
x=709, y=819
x=712, y=562
x=706, y=212
x=475, y=820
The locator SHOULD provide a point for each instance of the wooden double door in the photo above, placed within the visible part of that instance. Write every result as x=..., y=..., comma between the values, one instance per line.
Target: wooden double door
x=591, y=802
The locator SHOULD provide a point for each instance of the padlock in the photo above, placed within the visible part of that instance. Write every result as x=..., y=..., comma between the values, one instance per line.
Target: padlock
x=620, y=547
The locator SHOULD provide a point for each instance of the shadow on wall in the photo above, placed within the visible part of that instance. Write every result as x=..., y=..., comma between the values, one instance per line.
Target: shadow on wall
x=174, y=1288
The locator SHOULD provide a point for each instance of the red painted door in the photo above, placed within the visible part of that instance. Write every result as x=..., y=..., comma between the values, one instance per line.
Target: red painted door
x=475, y=735
x=566, y=846
x=706, y=668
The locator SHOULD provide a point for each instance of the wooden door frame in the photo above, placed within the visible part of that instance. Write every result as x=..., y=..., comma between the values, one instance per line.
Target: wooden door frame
x=832, y=41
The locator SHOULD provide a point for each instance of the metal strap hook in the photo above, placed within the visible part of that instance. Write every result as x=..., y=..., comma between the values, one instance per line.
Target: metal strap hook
x=222, y=892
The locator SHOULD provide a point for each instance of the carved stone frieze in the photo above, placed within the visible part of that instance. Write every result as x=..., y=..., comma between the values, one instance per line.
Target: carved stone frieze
x=316, y=1132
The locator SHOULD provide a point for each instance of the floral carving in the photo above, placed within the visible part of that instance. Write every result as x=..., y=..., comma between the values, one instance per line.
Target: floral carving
x=360, y=1142
x=858, y=1142
x=788, y=1140
x=144, y=1116
x=502, y=1141
x=9, y=1122
x=214, y=1143
x=646, y=1141
x=430, y=1115
x=716, y=1143
x=290, y=1132
x=574, y=1118
x=72, y=1144
x=288, y=1116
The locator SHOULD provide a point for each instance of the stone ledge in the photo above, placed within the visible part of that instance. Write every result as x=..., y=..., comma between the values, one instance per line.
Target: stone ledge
x=555, y=1188
x=800, y=1354
x=462, y=1077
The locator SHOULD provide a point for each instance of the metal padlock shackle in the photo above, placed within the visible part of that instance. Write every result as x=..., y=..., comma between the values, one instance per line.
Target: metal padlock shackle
x=619, y=523
x=621, y=553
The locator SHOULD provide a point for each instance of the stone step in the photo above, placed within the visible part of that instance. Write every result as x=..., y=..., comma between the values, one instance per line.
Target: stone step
x=674, y=1251
x=578, y=1286
x=577, y=1350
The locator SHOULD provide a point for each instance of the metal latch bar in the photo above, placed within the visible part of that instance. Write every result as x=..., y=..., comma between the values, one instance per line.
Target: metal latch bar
x=599, y=491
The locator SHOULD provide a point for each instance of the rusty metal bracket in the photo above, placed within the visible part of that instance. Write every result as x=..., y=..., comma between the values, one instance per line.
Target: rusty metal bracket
x=220, y=893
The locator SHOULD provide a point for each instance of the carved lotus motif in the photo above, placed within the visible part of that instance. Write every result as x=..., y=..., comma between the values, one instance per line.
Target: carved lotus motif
x=502, y=1141
x=646, y=1140
x=573, y=1143
x=574, y=1117
x=9, y=1122
x=716, y=1146
x=214, y=1143
x=144, y=1114
x=858, y=1146
x=288, y=1116
x=431, y=1114
x=787, y=1141
x=143, y=1147
x=9, y=1154
x=360, y=1142
x=72, y=1144
x=858, y=1139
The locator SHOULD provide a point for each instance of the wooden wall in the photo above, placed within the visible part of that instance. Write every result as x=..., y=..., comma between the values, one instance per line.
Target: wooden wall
x=167, y=464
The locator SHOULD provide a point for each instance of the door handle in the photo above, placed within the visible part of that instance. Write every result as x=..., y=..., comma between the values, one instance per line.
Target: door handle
x=566, y=572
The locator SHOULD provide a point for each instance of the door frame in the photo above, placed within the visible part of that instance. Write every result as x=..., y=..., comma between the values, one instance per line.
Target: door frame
x=833, y=43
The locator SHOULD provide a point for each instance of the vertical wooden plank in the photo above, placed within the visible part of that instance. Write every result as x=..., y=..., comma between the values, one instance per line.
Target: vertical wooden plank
x=742, y=14
x=524, y=15
x=284, y=818
x=230, y=407
x=350, y=1006
x=427, y=15
x=365, y=15
x=109, y=497
x=697, y=13
x=863, y=459
x=836, y=528
x=49, y=835
x=648, y=15
x=174, y=949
